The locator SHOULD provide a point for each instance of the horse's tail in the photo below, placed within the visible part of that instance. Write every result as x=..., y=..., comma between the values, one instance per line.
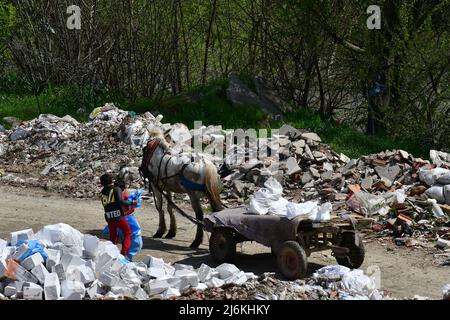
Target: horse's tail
x=212, y=186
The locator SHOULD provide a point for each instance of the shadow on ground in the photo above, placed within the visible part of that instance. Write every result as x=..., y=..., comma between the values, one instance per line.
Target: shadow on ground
x=257, y=263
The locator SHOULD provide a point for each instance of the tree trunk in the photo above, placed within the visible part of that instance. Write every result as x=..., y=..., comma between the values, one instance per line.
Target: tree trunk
x=208, y=41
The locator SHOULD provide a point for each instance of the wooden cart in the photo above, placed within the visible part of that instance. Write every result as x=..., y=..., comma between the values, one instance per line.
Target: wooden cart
x=292, y=241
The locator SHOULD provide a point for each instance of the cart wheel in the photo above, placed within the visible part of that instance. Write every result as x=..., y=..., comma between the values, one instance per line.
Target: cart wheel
x=355, y=257
x=292, y=260
x=222, y=245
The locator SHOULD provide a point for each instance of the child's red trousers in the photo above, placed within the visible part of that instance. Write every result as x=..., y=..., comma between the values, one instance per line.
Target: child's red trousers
x=126, y=231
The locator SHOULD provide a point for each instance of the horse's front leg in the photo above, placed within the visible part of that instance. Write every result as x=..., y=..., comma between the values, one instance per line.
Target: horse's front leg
x=197, y=207
x=173, y=222
x=159, y=206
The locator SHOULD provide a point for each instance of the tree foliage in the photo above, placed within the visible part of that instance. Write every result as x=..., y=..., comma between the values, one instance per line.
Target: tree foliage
x=319, y=55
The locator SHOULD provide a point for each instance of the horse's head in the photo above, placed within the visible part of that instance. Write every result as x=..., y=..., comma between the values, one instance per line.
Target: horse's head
x=156, y=133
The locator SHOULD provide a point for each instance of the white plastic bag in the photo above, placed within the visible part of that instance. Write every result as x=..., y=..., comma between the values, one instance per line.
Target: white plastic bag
x=278, y=207
x=274, y=187
x=445, y=178
x=334, y=271
x=258, y=203
x=268, y=199
x=436, y=192
x=323, y=212
x=437, y=211
x=301, y=209
x=356, y=281
x=431, y=176
x=310, y=210
x=61, y=233
x=447, y=194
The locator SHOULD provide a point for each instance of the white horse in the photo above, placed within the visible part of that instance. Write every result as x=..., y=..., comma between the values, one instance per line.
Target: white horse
x=178, y=173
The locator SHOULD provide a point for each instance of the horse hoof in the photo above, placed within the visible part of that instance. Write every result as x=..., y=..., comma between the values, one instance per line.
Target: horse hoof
x=158, y=235
x=195, y=244
x=171, y=235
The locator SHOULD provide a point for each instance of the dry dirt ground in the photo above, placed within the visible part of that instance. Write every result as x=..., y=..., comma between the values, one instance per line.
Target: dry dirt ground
x=405, y=272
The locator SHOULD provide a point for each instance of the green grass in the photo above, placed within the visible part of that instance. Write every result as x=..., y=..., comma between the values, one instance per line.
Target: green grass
x=208, y=104
x=343, y=138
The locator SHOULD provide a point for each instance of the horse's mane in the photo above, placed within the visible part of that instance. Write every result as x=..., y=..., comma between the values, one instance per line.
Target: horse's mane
x=157, y=133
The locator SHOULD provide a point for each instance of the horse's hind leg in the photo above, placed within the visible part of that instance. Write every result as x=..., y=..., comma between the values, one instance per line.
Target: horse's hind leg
x=162, y=221
x=173, y=222
x=196, y=205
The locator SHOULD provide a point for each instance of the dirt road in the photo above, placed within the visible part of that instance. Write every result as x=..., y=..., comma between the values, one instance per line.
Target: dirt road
x=405, y=272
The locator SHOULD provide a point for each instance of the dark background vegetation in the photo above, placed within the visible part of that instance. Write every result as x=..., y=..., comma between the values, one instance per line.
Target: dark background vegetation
x=175, y=56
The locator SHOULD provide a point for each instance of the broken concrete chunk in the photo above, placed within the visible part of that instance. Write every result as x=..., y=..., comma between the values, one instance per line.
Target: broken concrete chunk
x=179, y=266
x=59, y=270
x=94, y=291
x=350, y=165
x=171, y=293
x=327, y=176
x=390, y=173
x=306, y=177
x=10, y=290
x=156, y=272
x=81, y=274
x=201, y=287
x=367, y=183
x=108, y=279
x=290, y=132
x=20, y=251
x=238, y=279
x=190, y=276
x=153, y=262
x=20, y=134
x=32, y=291
x=314, y=172
x=308, y=153
x=204, y=273
x=17, y=236
x=32, y=261
x=439, y=158
x=122, y=291
x=140, y=294
x=71, y=260
x=155, y=287
x=178, y=283
x=292, y=166
x=311, y=136
x=90, y=244
x=19, y=273
x=3, y=245
x=226, y=270
x=404, y=154
x=344, y=158
x=52, y=287
x=215, y=282
x=72, y=290
x=40, y=272
x=54, y=257
x=327, y=166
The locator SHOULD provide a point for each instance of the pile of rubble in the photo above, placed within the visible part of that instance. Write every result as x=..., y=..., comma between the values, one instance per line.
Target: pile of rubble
x=60, y=263
x=328, y=283
x=64, y=156
x=389, y=190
